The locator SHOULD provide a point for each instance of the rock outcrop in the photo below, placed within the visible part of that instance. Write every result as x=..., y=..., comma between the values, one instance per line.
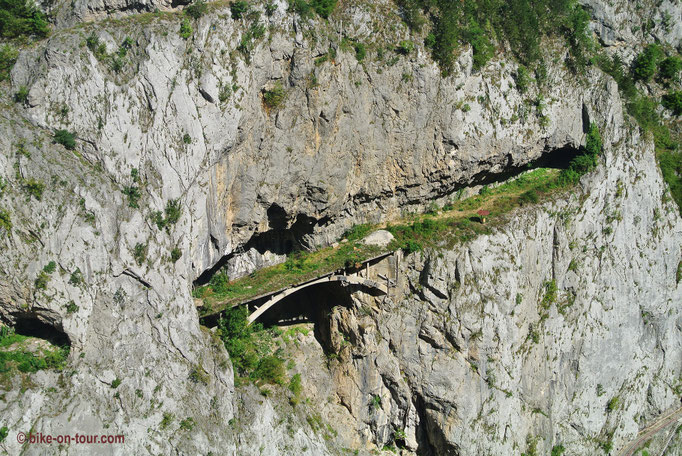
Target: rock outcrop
x=464, y=363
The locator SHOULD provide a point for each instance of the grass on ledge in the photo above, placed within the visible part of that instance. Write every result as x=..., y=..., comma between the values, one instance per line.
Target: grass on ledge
x=17, y=357
x=456, y=222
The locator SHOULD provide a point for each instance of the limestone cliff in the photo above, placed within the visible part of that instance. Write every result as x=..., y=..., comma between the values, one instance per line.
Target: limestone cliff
x=464, y=360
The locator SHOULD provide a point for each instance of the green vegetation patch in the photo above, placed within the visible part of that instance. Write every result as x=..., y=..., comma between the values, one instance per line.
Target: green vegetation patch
x=251, y=348
x=275, y=97
x=644, y=110
x=521, y=23
x=65, y=138
x=221, y=292
x=21, y=18
x=17, y=358
x=306, y=9
x=8, y=57
x=5, y=221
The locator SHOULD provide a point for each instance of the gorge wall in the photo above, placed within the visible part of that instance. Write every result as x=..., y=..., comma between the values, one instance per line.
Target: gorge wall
x=464, y=361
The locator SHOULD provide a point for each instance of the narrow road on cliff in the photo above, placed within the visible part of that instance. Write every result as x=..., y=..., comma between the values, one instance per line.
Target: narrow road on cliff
x=651, y=430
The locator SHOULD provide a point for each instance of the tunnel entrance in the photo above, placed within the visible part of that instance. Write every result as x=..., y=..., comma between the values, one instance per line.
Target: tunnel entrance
x=278, y=239
x=557, y=159
x=31, y=326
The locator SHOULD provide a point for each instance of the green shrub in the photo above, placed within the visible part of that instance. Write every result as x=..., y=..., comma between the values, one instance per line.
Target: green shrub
x=50, y=267
x=296, y=388
x=405, y=47
x=196, y=9
x=480, y=44
x=173, y=211
x=606, y=446
x=8, y=57
x=71, y=307
x=199, y=375
x=35, y=188
x=176, y=253
x=4, y=431
x=187, y=424
x=166, y=420
x=270, y=9
x=270, y=369
x=522, y=79
x=133, y=194
x=412, y=246
x=670, y=67
x=20, y=18
x=185, y=29
x=578, y=37
x=98, y=49
x=410, y=10
x=21, y=95
x=673, y=102
x=586, y=161
x=613, y=404
x=360, y=51
x=140, y=253
x=275, y=97
x=323, y=7
x=300, y=7
x=65, y=138
x=186, y=138
x=239, y=9
x=550, y=294
x=116, y=383
x=76, y=277
x=644, y=65
x=42, y=280
x=558, y=450
x=5, y=221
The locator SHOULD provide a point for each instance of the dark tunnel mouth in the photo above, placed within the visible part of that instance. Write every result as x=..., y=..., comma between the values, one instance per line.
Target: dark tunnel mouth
x=32, y=326
x=279, y=239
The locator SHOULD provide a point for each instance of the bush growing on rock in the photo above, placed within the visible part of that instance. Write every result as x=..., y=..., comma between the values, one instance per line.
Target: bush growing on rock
x=20, y=18
x=405, y=47
x=196, y=9
x=5, y=221
x=670, y=68
x=644, y=66
x=239, y=9
x=521, y=23
x=673, y=102
x=8, y=56
x=21, y=95
x=323, y=7
x=65, y=138
x=185, y=29
x=274, y=98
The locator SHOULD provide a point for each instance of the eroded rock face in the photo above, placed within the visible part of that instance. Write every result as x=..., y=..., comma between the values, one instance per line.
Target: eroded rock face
x=470, y=361
x=356, y=143
x=360, y=145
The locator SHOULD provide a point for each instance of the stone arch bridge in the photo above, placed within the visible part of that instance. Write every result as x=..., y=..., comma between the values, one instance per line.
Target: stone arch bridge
x=376, y=275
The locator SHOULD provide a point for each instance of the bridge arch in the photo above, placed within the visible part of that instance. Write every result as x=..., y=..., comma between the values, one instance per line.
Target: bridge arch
x=344, y=280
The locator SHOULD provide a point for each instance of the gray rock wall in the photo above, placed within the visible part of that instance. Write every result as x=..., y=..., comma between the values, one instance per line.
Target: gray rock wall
x=364, y=143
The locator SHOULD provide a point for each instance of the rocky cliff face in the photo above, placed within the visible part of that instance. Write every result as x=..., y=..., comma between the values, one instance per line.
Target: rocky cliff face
x=465, y=362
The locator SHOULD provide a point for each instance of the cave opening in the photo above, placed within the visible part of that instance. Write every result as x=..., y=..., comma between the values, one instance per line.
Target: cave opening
x=279, y=239
x=32, y=326
x=559, y=158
